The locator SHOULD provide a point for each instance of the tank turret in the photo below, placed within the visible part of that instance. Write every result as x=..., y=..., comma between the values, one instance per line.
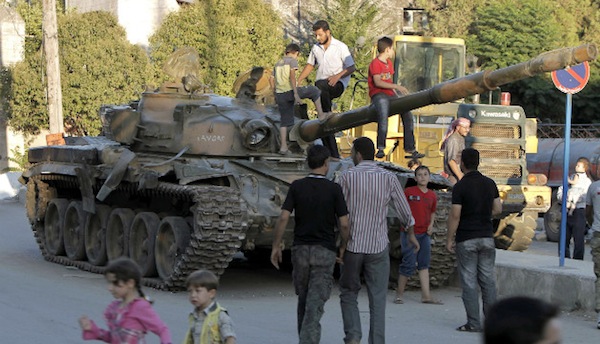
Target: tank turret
x=450, y=90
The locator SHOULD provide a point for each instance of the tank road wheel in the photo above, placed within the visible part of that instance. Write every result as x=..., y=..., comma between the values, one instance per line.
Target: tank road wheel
x=53, y=226
x=73, y=232
x=515, y=231
x=172, y=238
x=142, y=236
x=552, y=222
x=117, y=232
x=95, y=235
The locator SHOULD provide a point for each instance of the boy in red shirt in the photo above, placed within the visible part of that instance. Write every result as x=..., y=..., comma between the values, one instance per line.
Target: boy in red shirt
x=381, y=90
x=423, y=203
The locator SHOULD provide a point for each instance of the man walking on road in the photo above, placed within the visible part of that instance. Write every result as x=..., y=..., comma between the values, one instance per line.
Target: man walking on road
x=368, y=190
x=593, y=215
x=475, y=200
x=334, y=67
x=318, y=203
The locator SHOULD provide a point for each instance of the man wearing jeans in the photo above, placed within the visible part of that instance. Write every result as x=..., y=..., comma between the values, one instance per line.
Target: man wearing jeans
x=475, y=200
x=369, y=189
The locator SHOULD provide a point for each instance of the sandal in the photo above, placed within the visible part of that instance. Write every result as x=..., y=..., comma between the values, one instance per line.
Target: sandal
x=398, y=300
x=285, y=152
x=467, y=328
x=432, y=302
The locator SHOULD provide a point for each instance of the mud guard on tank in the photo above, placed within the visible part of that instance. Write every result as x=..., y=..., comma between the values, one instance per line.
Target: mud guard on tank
x=85, y=179
x=116, y=175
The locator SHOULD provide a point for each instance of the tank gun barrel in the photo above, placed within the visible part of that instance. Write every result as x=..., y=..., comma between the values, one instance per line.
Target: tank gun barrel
x=451, y=90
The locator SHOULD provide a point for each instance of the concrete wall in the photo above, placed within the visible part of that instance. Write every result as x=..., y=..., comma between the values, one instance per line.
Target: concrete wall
x=12, y=33
x=12, y=37
x=140, y=18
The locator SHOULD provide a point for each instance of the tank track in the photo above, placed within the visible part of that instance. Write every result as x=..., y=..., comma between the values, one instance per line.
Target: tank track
x=442, y=262
x=220, y=224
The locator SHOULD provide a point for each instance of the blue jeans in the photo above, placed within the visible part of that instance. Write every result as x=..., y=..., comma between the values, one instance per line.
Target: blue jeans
x=476, y=259
x=313, y=281
x=376, y=271
x=421, y=258
x=381, y=101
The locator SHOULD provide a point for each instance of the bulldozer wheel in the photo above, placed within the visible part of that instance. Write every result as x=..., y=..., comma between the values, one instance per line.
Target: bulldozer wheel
x=142, y=236
x=95, y=235
x=552, y=222
x=171, y=240
x=515, y=232
x=73, y=230
x=53, y=226
x=117, y=232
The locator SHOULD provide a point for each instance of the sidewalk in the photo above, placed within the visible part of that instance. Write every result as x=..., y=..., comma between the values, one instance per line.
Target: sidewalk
x=570, y=286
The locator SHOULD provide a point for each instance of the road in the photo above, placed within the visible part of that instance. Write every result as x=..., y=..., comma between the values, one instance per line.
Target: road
x=40, y=302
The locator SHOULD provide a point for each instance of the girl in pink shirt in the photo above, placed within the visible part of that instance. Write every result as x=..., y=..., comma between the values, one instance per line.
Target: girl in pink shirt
x=131, y=315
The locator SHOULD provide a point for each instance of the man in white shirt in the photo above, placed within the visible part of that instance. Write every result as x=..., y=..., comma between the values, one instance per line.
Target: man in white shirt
x=334, y=67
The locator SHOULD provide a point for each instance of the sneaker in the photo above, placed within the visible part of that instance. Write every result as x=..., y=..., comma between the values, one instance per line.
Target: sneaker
x=414, y=155
x=380, y=154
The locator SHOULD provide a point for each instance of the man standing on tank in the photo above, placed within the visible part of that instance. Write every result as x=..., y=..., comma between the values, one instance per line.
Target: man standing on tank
x=334, y=67
x=475, y=199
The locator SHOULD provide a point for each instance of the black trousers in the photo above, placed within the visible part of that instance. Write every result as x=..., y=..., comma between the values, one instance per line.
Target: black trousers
x=328, y=93
x=576, y=230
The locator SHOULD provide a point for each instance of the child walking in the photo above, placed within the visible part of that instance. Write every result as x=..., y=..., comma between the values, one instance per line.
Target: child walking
x=423, y=203
x=130, y=316
x=209, y=322
x=287, y=93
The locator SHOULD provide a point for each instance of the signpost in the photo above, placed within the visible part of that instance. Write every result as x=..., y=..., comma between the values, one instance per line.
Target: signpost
x=570, y=81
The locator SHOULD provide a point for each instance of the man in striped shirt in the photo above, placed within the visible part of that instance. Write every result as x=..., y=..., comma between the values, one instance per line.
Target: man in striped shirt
x=368, y=190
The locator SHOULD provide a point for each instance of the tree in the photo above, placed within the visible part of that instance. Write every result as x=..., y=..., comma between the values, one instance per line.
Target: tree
x=507, y=32
x=450, y=18
x=231, y=36
x=527, y=28
x=98, y=66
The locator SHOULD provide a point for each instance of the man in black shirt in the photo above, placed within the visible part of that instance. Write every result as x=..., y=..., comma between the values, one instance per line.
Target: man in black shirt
x=475, y=200
x=318, y=204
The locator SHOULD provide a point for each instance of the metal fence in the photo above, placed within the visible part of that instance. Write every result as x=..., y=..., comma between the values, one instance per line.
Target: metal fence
x=580, y=131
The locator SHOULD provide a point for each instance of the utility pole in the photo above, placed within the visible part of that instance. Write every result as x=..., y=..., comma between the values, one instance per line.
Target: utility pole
x=50, y=41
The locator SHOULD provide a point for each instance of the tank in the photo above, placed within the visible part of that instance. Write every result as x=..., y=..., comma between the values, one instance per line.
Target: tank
x=184, y=179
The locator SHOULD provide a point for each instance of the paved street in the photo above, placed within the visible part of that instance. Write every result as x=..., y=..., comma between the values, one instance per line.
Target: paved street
x=40, y=302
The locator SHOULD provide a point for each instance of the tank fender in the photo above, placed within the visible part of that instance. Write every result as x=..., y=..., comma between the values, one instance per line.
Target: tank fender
x=49, y=168
x=199, y=170
x=85, y=177
x=116, y=175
